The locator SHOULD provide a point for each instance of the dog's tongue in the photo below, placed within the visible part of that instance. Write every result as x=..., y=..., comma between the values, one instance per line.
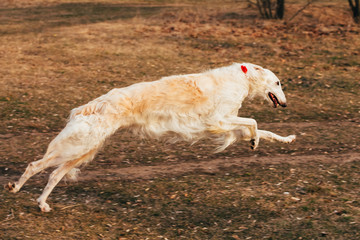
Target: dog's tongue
x=273, y=98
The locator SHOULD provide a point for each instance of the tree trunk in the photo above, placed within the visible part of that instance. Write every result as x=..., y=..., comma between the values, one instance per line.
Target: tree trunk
x=280, y=8
x=355, y=8
x=267, y=10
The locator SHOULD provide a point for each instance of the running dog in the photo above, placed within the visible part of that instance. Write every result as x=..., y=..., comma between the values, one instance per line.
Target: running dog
x=182, y=107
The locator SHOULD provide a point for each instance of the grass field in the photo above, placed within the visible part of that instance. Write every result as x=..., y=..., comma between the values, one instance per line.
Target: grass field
x=57, y=55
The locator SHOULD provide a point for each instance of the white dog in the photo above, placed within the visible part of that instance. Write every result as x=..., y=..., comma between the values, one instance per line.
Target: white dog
x=184, y=107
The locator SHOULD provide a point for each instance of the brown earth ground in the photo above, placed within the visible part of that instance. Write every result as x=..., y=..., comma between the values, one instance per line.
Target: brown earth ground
x=57, y=55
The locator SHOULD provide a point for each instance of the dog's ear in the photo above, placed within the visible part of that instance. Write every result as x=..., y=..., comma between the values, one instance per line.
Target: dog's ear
x=259, y=70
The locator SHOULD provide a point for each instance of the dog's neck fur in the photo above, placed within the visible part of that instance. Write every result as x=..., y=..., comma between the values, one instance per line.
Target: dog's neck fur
x=250, y=82
x=254, y=79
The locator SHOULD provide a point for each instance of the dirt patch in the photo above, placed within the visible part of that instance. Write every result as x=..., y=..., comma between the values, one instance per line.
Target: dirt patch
x=212, y=166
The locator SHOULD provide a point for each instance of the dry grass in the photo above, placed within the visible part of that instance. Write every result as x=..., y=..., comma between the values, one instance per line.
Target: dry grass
x=58, y=55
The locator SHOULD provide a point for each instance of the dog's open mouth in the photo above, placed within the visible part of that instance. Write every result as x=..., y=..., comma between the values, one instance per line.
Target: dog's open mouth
x=274, y=99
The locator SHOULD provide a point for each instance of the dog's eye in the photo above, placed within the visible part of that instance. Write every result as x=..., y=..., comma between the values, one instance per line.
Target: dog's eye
x=278, y=83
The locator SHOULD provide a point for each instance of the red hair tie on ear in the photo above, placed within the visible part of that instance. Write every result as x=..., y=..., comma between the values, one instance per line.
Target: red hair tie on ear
x=244, y=69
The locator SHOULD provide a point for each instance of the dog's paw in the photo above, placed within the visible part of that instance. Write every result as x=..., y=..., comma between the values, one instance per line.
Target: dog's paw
x=44, y=207
x=291, y=138
x=254, y=144
x=11, y=187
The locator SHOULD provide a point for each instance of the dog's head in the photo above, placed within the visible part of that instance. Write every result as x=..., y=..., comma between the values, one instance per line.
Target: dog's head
x=264, y=83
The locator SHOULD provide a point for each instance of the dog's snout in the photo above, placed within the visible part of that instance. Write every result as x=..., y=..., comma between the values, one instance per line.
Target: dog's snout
x=284, y=105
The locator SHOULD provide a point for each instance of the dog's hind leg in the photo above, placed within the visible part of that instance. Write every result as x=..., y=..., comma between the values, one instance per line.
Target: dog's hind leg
x=267, y=135
x=32, y=169
x=57, y=175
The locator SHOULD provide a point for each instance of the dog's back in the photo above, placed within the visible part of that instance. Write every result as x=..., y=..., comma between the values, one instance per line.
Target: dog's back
x=178, y=104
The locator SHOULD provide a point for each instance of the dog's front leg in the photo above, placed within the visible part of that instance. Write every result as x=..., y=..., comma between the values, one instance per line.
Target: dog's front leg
x=238, y=123
x=267, y=135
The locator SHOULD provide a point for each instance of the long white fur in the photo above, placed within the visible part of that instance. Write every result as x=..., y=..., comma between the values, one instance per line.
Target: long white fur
x=182, y=107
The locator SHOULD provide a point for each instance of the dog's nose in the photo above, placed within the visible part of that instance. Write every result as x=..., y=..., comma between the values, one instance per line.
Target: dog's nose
x=283, y=105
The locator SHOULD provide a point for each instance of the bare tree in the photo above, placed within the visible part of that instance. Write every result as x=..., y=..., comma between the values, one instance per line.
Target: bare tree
x=301, y=9
x=355, y=8
x=270, y=9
